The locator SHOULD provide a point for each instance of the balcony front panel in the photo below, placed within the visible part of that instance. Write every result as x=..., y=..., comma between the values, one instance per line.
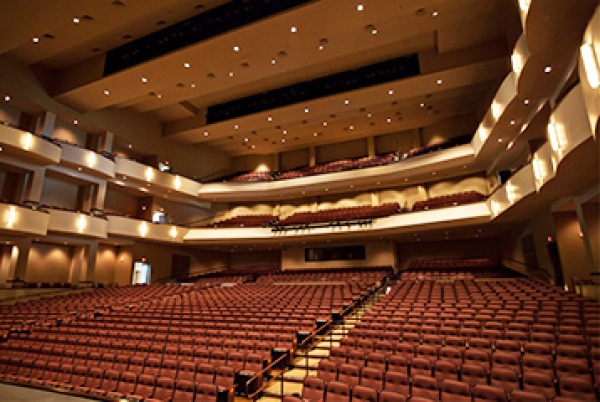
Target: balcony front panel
x=143, y=230
x=76, y=223
x=28, y=147
x=17, y=219
x=87, y=161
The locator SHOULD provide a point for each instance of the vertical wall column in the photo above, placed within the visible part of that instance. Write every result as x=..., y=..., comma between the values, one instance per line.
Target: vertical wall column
x=83, y=263
x=35, y=184
x=5, y=263
x=18, y=258
x=371, y=151
x=105, y=141
x=312, y=156
x=45, y=124
x=99, y=195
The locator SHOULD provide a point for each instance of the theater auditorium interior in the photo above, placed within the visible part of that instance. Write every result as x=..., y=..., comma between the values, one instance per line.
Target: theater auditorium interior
x=299, y=200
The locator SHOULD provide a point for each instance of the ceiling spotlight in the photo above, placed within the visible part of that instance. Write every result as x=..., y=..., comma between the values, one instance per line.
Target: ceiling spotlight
x=422, y=105
x=306, y=110
x=360, y=7
x=293, y=29
x=526, y=102
x=106, y=92
x=547, y=69
x=7, y=98
x=236, y=48
x=391, y=92
x=231, y=73
x=371, y=28
x=193, y=85
x=235, y=126
x=325, y=124
x=206, y=133
x=144, y=80
x=512, y=122
x=36, y=39
x=76, y=20
x=388, y=120
x=273, y=61
x=283, y=140
x=346, y=102
x=75, y=122
x=186, y=65
x=439, y=82
x=434, y=14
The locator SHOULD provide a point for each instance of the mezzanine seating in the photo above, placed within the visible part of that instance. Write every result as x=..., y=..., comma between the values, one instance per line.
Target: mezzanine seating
x=449, y=200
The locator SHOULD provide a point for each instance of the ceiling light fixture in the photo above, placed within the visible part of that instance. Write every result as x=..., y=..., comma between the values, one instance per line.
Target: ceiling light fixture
x=36, y=40
x=391, y=92
x=7, y=98
x=186, y=65
x=434, y=14
x=293, y=29
x=439, y=82
x=75, y=122
x=346, y=102
x=547, y=69
x=144, y=80
x=236, y=49
x=106, y=92
x=526, y=102
x=273, y=61
x=206, y=133
x=306, y=110
x=360, y=7
x=76, y=20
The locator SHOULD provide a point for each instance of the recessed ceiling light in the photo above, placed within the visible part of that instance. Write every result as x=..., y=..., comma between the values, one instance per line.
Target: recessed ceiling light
x=79, y=168
x=434, y=14
x=236, y=48
x=360, y=7
x=433, y=173
x=390, y=92
x=273, y=61
x=283, y=140
x=186, y=65
x=76, y=20
x=369, y=115
x=512, y=122
x=236, y=126
x=75, y=122
x=284, y=132
x=36, y=39
x=325, y=124
x=388, y=120
x=231, y=73
x=321, y=47
x=7, y=98
x=422, y=104
x=439, y=82
x=526, y=101
x=158, y=96
x=206, y=133
x=306, y=110
x=269, y=118
x=193, y=85
x=253, y=146
x=144, y=80
x=547, y=69
x=351, y=127
x=106, y=92
x=499, y=139
x=246, y=139
x=130, y=146
x=346, y=101
x=293, y=29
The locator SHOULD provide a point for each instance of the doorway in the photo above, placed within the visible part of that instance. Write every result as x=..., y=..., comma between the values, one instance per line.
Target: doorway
x=141, y=273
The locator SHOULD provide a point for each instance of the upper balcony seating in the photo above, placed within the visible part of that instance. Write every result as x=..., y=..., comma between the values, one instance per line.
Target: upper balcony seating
x=365, y=212
x=248, y=221
x=349, y=164
x=448, y=200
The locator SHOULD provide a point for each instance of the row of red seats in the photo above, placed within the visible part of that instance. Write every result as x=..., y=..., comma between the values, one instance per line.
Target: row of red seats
x=449, y=200
x=240, y=221
x=340, y=214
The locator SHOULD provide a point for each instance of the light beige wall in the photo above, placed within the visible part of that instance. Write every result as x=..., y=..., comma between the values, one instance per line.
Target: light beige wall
x=124, y=265
x=252, y=209
x=458, y=185
x=344, y=200
x=254, y=162
x=48, y=263
x=406, y=196
x=444, y=130
x=59, y=193
x=406, y=252
x=292, y=159
x=70, y=133
x=377, y=254
x=571, y=248
x=342, y=150
x=119, y=201
x=178, y=213
x=397, y=142
x=292, y=206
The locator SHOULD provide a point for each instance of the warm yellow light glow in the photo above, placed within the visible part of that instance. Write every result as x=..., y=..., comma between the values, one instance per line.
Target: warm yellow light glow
x=81, y=223
x=173, y=232
x=540, y=170
x=557, y=137
x=496, y=207
x=483, y=133
x=177, y=182
x=26, y=141
x=524, y=5
x=517, y=63
x=149, y=174
x=511, y=192
x=497, y=109
x=590, y=65
x=11, y=216
x=91, y=159
x=143, y=229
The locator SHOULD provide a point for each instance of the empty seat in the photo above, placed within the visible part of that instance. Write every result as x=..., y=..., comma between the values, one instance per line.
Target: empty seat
x=144, y=388
x=526, y=396
x=337, y=392
x=577, y=387
x=474, y=374
x=125, y=387
x=372, y=378
x=338, y=355
x=313, y=389
x=426, y=387
x=205, y=372
x=362, y=393
x=349, y=374
x=206, y=393
x=391, y=396
x=327, y=370
x=505, y=378
x=376, y=360
x=224, y=378
x=186, y=371
x=397, y=382
x=539, y=382
x=455, y=391
x=446, y=370
x=488, y=393
x=164, y=389
x=185, y=391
